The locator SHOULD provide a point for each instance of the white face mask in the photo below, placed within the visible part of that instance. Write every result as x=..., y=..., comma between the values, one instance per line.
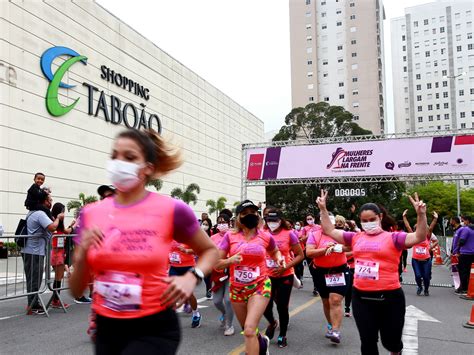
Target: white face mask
x=372, y=228
x=273, y=226
x=204, y=227
x=223, y=227
x=297, y=227
x=310, y=222
x=123, y=175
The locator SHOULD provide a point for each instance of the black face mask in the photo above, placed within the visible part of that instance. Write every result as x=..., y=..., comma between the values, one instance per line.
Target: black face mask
x=250, y=221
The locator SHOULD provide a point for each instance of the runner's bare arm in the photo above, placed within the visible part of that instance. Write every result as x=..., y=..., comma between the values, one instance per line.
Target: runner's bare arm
x=421, y=223
x=313, y=252
x=406, y=223
x=328, y=228
x=224, y=263
x=433, y=223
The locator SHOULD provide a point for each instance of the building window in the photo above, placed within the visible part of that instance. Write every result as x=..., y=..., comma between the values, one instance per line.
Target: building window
x=353, y=41
x=443, y=50
x=355, y=104
x=324, y=27
x=404, y=69
x=339, y=48
x=354, y=66
x=352, y=4
x=311, y=98
x=353, y=29
x=418, y=87
x=308, y=2
x=427, y=53
x=459, y=48
x=309, y=50
x=472, y=91
x=354, y=55
x=461, y=92
x=434, y=32
x=425, y=22
x=441, y=30
x=404, y=58
x=310, y=62
x=430, y=107
x=404, y=48
x=340, y=60
x=325, y=75
x=462, y=115
x=415, y=24
x=323, y=3
x=458, y=37
x=325, y=62
x=437, y=95
x=420, y=119
x=308, y=14
x=446, y=116
x=353, y=17
x=310, y=86
x=420, y=108
x=309, y=74
x=338, y=23
x=403, y=37
x=354, y=80
x=469, y=35
x=323, y=14
x=338, y=12
x=444, y=72
x=446, y=105
x=438, y=117
x=445, y=83
x=341, y=84
x=436, y=85
x=430, y=118
x=470, y=46
x=418, y=97
x=428, y=86
x=341, y=96
x=418, y=76
x=437, y=106
x=463, y=125
x=445, y=94
x=309, y=38
x=355, y=118
x=458, y=26
x=326, y=98
x=308, y=26
x=355, y=92
x=447, y=127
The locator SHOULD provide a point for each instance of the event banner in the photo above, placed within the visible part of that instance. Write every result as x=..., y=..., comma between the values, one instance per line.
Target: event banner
x=390, y=157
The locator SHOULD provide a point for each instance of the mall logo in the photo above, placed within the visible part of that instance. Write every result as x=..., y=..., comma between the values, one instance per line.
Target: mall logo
x=52, y=102
x=110, y=107
x=349, y=159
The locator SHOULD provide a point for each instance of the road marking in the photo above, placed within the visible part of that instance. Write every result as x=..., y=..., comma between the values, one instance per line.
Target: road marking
x=410, y=330
x=241, y=348
x=199, y=300
x=14, y=316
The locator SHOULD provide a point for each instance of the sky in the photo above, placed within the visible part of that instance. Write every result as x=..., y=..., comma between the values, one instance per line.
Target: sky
x=241, y=47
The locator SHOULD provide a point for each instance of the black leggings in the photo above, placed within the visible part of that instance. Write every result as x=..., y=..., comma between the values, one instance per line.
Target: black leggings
x=382, y=312
x=156, y=334
x=348, y=297
x=281, y=292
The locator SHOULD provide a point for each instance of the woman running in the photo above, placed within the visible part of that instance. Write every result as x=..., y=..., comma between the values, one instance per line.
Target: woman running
x=299, y=268
x=250, y=286
x=310, y=226
x=182, y=259
x=378, y=301
x=332, y=277
x=124, y=243
x=220, y=281
x=281, y=277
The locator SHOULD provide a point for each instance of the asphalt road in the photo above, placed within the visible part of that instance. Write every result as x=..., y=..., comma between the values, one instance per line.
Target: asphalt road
x=66, y=333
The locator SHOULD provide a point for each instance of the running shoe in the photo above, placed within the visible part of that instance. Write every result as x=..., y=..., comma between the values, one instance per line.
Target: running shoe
x=265, y=349
x=315, y=292
x=209, y=295
x=196, y=321
x=335, y=336
x=427, y=293
x=38, y=311
x=405, y=270
x=270, y=331
x=222, y=320
x=187, y=308
x=347, y=313
x=329, y=331
x=229, y=331
x=83, y=300
x=460, y=292
x=282, y=343
x=57, y=304
x=419, y=290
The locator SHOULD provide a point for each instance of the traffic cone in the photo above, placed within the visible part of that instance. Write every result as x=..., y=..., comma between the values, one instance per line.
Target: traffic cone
x=437, y=255
x=470, y=323
x=470, y=288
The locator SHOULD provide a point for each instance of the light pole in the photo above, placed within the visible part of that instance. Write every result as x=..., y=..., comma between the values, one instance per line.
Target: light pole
x=458, y=187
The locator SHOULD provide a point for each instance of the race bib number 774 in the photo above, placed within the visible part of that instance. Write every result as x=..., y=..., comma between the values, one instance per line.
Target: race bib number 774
x=367, y=270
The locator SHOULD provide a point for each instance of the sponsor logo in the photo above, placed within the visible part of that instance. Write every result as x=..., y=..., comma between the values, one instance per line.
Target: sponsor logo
x=349, y=159
x=256, y=163
x=271, y=163
x=52, y=103
x=405, y=164
x=422, y=163
x=440, y=163
x=390, y=165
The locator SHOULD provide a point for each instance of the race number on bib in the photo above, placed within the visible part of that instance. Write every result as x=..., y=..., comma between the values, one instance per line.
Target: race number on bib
x=60, y=242
x=246, y=274
x=367, y=270
x=272, y=263
x=420, y=251
x=121, y=291
x=175, y=258
x=333, y=280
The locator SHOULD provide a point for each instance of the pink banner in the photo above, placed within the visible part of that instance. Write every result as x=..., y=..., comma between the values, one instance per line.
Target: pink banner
x=391, y=157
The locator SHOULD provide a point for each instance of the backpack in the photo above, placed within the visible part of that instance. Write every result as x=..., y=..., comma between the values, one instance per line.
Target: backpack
x=21, y=229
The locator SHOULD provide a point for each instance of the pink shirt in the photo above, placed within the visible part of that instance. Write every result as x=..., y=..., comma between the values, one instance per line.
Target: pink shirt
x=132, y=262
x=180, y=259
x=320, y=240
x=284, y=240
x=252, y=269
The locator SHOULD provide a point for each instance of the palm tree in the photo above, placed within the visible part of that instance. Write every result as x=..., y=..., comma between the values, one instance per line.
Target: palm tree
x=156, y=183
x=188, y=194
x=216, y=206
x=81, y=202
x=236, y=203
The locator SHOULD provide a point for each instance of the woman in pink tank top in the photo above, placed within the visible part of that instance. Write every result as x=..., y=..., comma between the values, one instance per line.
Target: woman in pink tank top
x=378, y=301
x=124, y=242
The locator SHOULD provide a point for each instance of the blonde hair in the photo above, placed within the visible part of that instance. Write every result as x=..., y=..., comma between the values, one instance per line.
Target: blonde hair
x=340, y=218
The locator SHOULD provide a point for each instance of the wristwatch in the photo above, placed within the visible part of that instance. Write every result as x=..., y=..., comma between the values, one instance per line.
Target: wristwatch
x=198, y=273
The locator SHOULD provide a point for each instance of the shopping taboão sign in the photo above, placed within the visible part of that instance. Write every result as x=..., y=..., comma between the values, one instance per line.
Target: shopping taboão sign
x=111, y=108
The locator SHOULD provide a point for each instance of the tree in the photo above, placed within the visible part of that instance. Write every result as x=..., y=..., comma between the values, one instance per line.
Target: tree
x=216, y=206
x=83, y=200
x=188, y=195
x=319, y=120
x=156, y=183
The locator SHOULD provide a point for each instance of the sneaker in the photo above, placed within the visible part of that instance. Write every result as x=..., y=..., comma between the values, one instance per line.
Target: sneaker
x=282, y=343
x=347, y=313
x=38, y=311
x=419, y=290
x=405, y=270
x=458, y=291
x=427, y=293
x=209, y=295
x=57, y=304
x=196, y=321
x=83, y=300
x=270, y=331
x=315, y=292
x=229, y=331
x=329, y=331
x=222, y=320
x=335, y=336
x=187, y=308
x=265, y=350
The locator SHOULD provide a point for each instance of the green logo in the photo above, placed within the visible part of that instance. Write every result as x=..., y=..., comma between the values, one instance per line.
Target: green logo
x=53, y=105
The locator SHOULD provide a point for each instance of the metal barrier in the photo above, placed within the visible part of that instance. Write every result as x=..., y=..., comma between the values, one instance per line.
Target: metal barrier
x=31, y=276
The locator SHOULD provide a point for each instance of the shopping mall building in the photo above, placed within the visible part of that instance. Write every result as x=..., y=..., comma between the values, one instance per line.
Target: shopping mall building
x=72, y=75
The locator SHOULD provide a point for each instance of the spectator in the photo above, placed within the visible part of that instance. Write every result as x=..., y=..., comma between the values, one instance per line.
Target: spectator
x=455, y=223
x=39, y=227
x=465, y=250
x=33, y=193
x=206, y=225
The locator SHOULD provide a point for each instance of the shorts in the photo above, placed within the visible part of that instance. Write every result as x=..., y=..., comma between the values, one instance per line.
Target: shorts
x=242, y=294
x=57, y=256
x=179, y=271
x=320, y=280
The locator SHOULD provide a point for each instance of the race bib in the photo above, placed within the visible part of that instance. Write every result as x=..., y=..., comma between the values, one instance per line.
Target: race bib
x=246, y=274
x=333, y=280
x=420, y=250
x=60, y=242
x=272, y=263
x=175, y=258
x=367, y=270
x=121, y=291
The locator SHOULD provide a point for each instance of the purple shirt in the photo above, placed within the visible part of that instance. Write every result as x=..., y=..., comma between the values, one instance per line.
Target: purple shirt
x=466, y=240
x=398, y=239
